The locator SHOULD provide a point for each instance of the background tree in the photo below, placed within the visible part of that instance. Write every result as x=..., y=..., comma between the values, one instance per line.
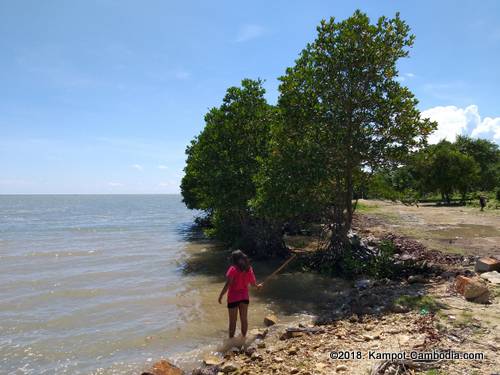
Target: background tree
x=487, y=156
x=221, y=163
x=444, y=169
x=343, y=112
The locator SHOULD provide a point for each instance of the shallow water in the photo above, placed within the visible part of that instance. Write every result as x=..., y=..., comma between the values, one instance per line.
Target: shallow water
x=107, y=284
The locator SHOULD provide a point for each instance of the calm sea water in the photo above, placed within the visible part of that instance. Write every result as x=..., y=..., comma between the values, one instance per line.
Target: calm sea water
x=108, y=284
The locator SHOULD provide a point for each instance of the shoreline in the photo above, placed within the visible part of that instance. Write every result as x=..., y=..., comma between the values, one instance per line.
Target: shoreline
x=417, y=313
x=304, y=347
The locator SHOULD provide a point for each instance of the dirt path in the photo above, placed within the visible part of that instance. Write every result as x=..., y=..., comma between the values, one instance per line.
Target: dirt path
x=452, y=229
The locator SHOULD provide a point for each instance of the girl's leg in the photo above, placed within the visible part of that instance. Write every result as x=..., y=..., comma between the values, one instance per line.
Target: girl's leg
x=233, y=318
x=243, y=307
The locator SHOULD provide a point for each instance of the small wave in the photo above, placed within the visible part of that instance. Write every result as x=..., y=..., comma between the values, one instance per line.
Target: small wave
x=64, y=253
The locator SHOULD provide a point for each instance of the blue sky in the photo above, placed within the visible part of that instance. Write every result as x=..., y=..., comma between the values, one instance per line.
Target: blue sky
x=103, y=96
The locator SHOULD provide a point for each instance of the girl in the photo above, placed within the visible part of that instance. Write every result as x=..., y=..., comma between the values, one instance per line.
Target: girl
x=238, y=277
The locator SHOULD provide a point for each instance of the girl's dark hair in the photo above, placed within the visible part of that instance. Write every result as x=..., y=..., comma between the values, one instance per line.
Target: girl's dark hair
x=240, y=260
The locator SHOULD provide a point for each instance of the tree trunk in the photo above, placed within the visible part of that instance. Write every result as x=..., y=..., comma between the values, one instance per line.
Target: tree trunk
x=262, y=239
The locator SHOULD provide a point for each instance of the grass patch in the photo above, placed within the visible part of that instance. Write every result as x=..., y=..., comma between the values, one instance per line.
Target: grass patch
x=365, y=208
x=419, y=303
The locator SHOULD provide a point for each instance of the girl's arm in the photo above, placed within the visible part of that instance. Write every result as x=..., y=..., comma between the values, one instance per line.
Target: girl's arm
x=253, y=281
x=224, y=289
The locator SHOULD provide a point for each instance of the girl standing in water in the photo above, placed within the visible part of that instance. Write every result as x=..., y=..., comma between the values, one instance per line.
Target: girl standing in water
x=238, y=277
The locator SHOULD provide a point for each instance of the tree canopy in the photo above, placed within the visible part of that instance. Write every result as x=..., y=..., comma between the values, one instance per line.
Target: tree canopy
x=343, y=112
x=223, y=159
x=343, y=126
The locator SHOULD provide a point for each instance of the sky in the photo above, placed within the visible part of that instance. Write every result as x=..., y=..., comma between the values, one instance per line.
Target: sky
x=102, y=96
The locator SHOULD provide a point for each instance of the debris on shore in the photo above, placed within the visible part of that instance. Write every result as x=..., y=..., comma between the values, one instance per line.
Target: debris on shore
x=437, y=306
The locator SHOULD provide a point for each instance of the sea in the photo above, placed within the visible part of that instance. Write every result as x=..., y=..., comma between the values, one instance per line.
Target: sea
x=109, y=284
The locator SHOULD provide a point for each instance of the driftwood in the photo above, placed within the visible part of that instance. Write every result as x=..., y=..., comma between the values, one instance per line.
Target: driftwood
x=279, y=268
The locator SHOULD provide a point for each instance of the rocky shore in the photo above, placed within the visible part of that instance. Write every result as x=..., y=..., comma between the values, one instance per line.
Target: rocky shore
x=440, y=311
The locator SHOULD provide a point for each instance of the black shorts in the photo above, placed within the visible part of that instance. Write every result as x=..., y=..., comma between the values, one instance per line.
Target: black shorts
x=236, y=303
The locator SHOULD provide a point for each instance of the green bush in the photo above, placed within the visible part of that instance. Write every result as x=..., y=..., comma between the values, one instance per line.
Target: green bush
x=383, y=264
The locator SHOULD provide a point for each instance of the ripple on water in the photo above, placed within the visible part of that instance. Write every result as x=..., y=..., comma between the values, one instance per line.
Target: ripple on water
x=101, y=284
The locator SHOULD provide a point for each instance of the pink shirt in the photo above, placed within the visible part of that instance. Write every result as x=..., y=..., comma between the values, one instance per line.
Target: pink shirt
x=238, y=285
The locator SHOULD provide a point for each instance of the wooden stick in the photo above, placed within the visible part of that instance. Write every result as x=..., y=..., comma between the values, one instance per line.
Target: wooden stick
x=280, y=268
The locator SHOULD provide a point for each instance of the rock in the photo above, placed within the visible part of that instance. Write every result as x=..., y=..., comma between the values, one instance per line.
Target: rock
x=278, y=359
x=473, y=290
x=292, y=351
x=298, y=331
x=363, y=284
x=250, y=350
x=212, y=360
x=234, y=350
x=229, y=367
x=164, y=367
x=414, y=279
x=261, y=344
x=294, y=370
x=257, y=357
x=354, y=238
x=270, y=320
x=208, y=370
x=259, y=333
x=493, y=277
x=397, y=308
x=341, y=368
x=487, y=265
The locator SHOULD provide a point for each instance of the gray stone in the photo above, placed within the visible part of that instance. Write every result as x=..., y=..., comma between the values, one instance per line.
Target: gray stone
x=493, y=277
x=229, y=367
x=414, y=279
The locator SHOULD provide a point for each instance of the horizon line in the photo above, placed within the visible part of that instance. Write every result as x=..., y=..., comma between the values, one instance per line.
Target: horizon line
x=20, y=194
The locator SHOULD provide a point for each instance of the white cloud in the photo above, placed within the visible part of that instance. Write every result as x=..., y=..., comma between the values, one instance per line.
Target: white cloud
x=489, y=126
x=249, y=32
x=137, y=167
x=453, y=121
x=161, y=166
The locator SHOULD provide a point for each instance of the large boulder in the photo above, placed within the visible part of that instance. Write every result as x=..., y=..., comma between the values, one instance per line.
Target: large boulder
x=472, y=289
x=164, y=367
x=487, y=265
